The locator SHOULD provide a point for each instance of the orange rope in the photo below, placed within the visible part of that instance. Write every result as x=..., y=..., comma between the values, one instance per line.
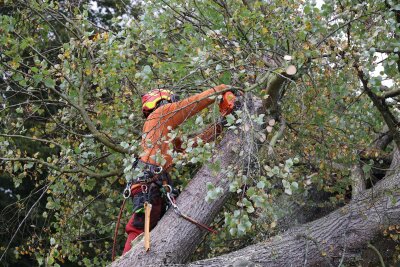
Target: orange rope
x=116, y=229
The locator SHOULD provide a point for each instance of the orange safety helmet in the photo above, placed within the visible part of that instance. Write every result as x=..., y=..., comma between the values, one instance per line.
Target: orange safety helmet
x=152, y=98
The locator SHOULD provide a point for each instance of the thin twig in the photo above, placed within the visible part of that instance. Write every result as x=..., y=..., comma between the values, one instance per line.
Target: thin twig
x=26, y=217
x=377, y=253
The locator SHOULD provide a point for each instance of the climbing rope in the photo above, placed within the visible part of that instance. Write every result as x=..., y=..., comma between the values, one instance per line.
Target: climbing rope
x=171, y=200
x=116, y=229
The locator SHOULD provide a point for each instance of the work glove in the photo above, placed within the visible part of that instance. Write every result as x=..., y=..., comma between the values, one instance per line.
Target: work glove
x=227, y=103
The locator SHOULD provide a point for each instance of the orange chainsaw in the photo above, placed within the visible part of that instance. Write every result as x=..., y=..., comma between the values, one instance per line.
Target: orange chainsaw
x=227, y=103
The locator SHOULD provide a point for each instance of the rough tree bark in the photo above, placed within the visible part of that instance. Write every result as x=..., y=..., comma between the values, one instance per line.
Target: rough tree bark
x=326, y=241
x=352, y=226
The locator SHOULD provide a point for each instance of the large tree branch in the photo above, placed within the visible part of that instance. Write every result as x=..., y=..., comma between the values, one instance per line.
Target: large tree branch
x=325, y=241
x=392, y=93
x=380, y=104
x=357, y=180
x=32, y=139
x=78, y=169
x=274, y=86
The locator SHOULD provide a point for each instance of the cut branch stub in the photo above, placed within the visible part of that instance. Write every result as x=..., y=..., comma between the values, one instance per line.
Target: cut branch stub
x=291, y=70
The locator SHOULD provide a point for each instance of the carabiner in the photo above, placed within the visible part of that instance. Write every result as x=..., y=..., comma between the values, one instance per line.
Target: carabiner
x=127, y=192
x=144, y=188
x=169, y=188
x=159, y=168
x=171, y=201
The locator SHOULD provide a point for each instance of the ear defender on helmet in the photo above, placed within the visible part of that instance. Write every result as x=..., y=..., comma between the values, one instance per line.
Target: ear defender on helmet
x=175, y=98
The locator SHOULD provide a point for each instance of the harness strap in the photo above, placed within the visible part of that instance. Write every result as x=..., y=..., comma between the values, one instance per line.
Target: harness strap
x=164, y=183
x=127, y=193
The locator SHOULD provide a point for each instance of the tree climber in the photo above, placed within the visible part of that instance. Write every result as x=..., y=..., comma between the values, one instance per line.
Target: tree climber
x=164, y=112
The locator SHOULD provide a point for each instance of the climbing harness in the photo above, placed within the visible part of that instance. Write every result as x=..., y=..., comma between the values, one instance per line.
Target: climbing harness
x=152, y=175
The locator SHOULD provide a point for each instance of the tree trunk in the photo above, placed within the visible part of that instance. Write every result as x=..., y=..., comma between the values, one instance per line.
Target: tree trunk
x=326, y=241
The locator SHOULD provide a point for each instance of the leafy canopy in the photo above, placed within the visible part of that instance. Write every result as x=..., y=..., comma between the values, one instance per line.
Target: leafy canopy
x=70, y=117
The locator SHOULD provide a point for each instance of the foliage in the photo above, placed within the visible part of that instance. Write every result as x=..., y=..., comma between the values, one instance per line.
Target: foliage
x=70, y=117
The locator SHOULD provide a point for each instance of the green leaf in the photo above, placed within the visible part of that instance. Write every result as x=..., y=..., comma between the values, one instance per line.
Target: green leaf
x=307, y=9
x=18, y=77
x=90, y=184
x=210, y=186
x=199, y=120
x=251, y=191
x=288, y=191
x=230, y=119
x=261, y=185
x=233, y=231
x=241, y=229
x=49, y=83
x=226, y=78
x=50, y=205
x=366, y=168
x=37, y=78
x=147, y=69
x=233, y=186
x=50, y=260
x=250, y=209
x=295, y=185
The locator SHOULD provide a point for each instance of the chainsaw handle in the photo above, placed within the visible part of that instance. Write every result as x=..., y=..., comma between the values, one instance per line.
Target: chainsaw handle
x=237, y=91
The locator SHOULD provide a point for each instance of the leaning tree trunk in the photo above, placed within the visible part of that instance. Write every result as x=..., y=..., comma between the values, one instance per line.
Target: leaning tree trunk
x=326, y=241
x=174, y=240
